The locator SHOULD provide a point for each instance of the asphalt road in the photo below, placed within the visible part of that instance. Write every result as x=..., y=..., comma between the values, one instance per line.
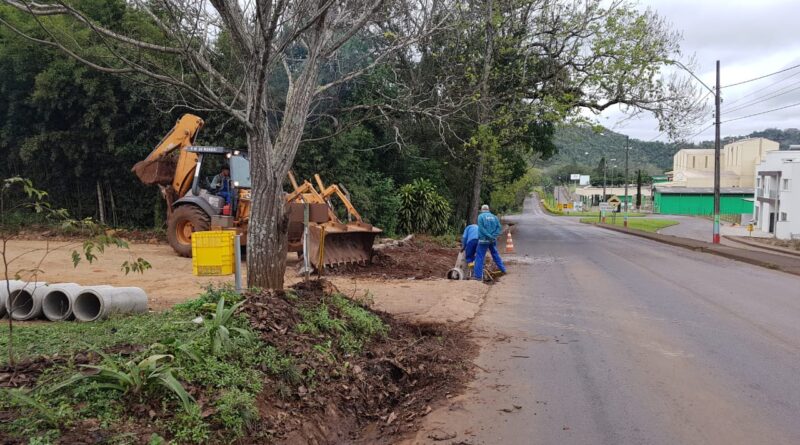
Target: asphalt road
x=597, y=337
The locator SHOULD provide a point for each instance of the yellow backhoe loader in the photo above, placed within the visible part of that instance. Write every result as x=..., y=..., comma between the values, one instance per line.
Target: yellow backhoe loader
x=196, y=203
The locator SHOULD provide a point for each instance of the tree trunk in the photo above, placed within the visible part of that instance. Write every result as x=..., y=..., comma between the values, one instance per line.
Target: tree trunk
x=270, y=162
x=100, y=204
x=267, y=228
x=483, y=110
x=477, y=183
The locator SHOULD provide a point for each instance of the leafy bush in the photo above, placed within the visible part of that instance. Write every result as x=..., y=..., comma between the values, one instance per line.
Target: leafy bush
x=377, y=201
x=509, y=199
x=423, y=209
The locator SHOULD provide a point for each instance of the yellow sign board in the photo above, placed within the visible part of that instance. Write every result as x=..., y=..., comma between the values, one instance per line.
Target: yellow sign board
x=614, y=200
x=749, y=227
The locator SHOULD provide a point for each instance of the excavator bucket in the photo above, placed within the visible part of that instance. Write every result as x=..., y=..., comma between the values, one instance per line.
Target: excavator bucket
x=159, y=171
x=332, y=244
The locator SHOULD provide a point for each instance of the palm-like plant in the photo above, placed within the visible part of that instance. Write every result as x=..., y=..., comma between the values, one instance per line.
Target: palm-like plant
x=423, y=209
x=134, y=377
x=218, y=327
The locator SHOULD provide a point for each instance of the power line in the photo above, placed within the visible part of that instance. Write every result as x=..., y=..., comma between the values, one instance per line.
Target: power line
x=762, y=77
x=763, y=112
x=754, y=92
x=685, y=114
x=711, y=90
x=757, y=101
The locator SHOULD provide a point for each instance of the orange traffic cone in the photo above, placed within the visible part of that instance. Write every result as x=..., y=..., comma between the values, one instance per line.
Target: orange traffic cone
x=509, y=244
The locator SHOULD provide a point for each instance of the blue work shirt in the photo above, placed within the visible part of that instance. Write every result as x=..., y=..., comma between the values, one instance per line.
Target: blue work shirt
x=488, y=228
x=470, y=234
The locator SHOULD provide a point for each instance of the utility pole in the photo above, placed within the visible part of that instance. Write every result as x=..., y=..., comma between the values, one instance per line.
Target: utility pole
x=717, y=101
x=625, y=199
x=605, y=168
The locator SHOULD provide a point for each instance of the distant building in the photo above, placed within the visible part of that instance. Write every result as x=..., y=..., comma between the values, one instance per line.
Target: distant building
x=777, y=206
x=700, y=201
x=694, y=167
x=690, y=188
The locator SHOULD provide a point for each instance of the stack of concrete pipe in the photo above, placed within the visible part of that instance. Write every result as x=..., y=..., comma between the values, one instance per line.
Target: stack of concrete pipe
x=68, y=301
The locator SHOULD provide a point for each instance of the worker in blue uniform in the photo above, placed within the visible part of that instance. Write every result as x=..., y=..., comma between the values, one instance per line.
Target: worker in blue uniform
x=489, y=229
x=469, y=243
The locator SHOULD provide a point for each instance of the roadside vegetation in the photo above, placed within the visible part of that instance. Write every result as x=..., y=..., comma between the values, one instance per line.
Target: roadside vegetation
x=596, y=214
x=221, y=369
x=195, y=380
x=645, y=224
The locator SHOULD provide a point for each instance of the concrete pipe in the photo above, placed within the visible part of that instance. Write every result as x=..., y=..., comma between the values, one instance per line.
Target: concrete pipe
x=455, y=274
x=4, y=290
x=58, y=301
x=25, y=303
x=98, y=302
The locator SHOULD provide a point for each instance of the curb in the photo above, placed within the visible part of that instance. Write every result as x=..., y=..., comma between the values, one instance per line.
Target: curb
x=762, y=246
x=699, y=246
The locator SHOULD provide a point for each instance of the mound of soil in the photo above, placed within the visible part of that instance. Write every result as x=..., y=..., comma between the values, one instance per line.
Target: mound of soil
x=382, y=392
x=415, y=260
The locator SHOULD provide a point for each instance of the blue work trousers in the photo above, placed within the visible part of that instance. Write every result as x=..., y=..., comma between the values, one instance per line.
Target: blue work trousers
x=481, y=256
x=470, y=249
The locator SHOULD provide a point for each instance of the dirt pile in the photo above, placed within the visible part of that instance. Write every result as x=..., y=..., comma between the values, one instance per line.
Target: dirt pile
x=370, y=396
x=418, y=260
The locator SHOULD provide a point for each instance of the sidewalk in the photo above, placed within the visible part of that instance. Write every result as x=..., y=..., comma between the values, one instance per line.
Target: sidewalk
x=784, y=263
x=753, y=243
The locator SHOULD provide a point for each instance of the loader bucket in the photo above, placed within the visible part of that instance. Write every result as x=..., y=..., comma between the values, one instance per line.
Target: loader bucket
x=155, y=172
x=332, y=244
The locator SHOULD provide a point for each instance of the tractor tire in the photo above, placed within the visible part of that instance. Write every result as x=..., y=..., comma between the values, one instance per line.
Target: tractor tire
x=184, y=221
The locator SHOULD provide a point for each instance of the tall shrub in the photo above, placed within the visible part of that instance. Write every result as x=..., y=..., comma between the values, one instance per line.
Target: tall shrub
x=423, y=209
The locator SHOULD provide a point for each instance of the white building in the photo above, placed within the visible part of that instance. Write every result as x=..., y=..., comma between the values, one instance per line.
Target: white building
x=777, y=197
x=694, y=167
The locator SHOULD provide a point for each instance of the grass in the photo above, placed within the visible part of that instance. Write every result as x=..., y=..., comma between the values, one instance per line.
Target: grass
x=596, y=214
x=645, y=224
x=64, y=339
x=228, y=378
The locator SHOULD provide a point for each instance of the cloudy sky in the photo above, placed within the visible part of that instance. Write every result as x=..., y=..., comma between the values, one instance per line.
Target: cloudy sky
x=750, y=38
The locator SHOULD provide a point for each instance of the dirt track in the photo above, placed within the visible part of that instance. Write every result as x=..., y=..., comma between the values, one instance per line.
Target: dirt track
x=170, y=280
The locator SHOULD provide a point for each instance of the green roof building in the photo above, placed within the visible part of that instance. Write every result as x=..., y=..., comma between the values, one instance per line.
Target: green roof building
x=700, y=200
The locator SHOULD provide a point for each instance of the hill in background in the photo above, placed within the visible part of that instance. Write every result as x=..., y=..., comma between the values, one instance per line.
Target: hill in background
x=584, y=146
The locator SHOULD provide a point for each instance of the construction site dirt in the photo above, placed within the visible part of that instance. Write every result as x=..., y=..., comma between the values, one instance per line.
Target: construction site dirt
x=395, y=382
x=170, y=279
x=417, y=260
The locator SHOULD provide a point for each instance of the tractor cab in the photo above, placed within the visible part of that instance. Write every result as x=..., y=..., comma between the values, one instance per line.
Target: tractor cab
x=219, y=197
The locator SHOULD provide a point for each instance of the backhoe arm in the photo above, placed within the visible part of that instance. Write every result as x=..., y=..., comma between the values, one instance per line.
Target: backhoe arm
x=162, y=169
